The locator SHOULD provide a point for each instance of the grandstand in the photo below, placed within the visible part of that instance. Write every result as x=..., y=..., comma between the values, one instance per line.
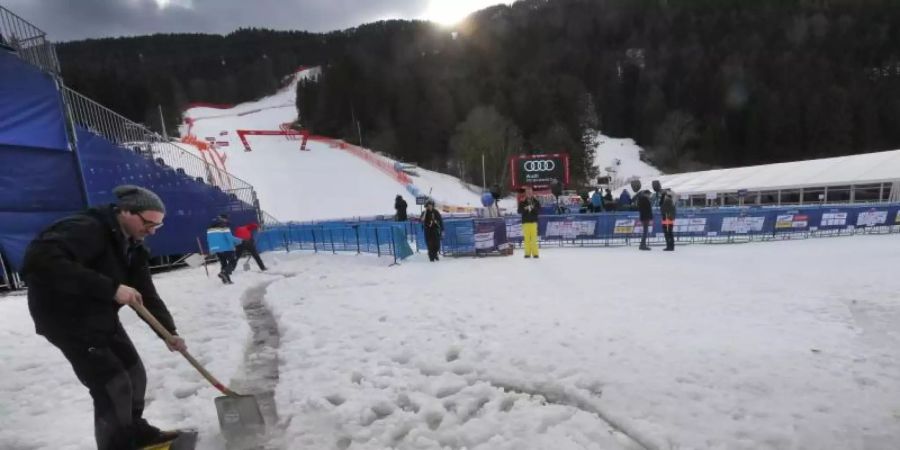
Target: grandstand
x=61, y=152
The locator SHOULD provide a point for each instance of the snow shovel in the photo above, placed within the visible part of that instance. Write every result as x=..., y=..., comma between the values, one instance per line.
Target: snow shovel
x=239, y=415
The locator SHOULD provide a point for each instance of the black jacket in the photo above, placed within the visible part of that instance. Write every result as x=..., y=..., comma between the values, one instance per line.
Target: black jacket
x=668, y=207
x=432, y=221
x=400, y=206
x=73, y=269
x=644, y=207
x=529, y=215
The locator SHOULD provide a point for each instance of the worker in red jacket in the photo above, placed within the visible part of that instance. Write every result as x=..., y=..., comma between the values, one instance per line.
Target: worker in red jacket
x=245, y=233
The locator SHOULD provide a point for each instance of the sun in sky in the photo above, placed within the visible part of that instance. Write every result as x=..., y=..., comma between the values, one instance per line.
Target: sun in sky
x=450, y=12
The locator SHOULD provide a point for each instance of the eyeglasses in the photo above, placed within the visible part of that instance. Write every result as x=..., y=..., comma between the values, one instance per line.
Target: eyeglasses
x=149, y=224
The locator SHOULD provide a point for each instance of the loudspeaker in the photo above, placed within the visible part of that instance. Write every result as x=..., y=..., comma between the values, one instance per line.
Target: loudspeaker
x=495, y=191
x=556, y=188
x=636, y=185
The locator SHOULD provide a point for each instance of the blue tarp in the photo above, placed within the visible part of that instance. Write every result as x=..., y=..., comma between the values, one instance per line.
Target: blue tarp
x=31, y=110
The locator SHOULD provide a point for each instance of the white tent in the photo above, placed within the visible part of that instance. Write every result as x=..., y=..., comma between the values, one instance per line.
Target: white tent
x=870, y=177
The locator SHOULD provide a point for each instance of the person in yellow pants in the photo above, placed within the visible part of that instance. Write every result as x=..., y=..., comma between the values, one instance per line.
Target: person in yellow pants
x=530, y=208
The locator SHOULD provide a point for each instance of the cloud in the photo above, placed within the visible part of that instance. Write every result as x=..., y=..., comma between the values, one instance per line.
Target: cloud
x=65, y=20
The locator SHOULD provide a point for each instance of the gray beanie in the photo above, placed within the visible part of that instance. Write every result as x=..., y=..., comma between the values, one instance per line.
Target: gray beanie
x=137, y=199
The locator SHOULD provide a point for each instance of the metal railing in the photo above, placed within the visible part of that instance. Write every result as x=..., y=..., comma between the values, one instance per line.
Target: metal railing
x=267, y=221
x=28, y=41
x=132, y=136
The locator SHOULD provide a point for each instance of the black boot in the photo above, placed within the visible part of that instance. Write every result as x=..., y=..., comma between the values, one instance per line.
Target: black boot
x=146, y=435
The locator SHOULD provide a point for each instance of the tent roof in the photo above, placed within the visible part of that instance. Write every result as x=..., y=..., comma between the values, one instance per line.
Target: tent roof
x=866, y=168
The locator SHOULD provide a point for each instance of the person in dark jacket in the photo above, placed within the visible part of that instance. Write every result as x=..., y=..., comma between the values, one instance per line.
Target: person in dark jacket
x=646, y=216
x=400, y=207
x=434, y=227
x=248, y=245
x=530, y=209
x=667, y=210
x=80, y=271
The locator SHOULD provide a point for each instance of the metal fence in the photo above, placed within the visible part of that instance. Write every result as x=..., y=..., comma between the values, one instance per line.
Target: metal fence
x=28, y=41
x=132, y=136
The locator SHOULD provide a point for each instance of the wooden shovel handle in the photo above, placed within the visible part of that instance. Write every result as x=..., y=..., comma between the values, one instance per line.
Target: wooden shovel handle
x=159, y=328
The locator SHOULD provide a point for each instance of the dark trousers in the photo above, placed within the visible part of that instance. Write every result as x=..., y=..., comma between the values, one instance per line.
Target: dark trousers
x=227, y=261
x=433, y=239
x=646, y=224
x=670, y=235
x=248, y=246
x=113, y=373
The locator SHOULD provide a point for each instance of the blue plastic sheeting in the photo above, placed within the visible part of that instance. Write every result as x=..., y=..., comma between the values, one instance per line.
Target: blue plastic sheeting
x=381, y=238
x=190, y=205
x=31, y=109
x=36, y=187
x=38, y=180
x=17, y=229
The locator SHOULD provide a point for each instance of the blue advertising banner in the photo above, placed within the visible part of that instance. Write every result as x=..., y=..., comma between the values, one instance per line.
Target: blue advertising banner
x=490, y=236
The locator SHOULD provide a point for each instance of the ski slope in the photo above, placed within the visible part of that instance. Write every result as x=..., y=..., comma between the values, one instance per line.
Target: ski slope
x=325, y=182
x=623, y=157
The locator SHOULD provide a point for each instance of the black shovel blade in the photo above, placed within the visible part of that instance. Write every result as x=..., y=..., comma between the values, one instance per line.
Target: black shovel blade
x=240, y=418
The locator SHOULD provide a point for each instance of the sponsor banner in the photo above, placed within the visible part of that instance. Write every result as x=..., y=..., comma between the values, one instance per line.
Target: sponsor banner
x=690, y=225
x=570, y=228
x=514, y=228
x=539, y=170
x=791, y=221
x=630, y=226
x=871, y=218
x=834, y=219
x=490, y=236
x=743, y=225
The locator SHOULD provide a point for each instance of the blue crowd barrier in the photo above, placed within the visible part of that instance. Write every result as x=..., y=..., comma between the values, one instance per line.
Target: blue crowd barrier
x=463, y=236
x=380, y=238
x=476, y=236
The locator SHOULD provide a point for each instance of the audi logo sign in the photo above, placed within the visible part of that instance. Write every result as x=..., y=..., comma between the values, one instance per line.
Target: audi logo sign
x=539, y=165
x=539, y=171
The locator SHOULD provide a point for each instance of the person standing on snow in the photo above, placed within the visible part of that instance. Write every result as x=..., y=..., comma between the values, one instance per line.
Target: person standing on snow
x=248, y=245
x=434, y=227
x=80, y=271
x=645, y=210
x=597, y=201
x=400, y=207
x=530, y=209
x=221, y=242
x=668, y=218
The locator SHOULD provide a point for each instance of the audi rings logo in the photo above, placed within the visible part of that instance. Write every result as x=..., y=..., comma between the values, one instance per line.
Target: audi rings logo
x=537, y=165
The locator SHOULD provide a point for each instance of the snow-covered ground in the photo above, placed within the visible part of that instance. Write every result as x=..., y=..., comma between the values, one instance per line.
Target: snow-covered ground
x=323, y=183
x=778, y=345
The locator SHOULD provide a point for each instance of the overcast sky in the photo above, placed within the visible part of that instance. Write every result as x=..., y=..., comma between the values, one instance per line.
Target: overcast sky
x=65, y=20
